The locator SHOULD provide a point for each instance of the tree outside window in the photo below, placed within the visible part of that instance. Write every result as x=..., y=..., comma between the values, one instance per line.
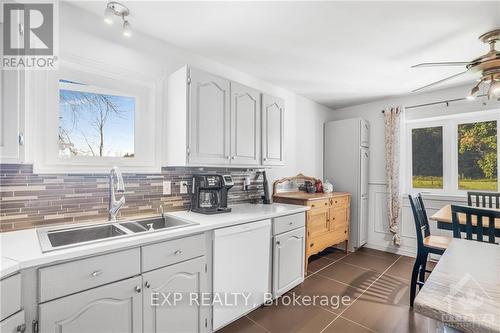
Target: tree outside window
x=477, y=156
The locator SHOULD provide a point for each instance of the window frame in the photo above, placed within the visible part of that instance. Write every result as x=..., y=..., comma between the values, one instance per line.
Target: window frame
x=450, y=148
x=109, y=80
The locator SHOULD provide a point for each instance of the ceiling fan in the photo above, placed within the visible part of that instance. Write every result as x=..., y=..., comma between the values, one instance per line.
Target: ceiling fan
x=487, y=65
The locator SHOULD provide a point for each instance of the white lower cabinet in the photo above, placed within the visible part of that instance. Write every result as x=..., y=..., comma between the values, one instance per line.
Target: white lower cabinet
x=116, y=307
x=14, y=324
x=172, y=298
x=288, y=261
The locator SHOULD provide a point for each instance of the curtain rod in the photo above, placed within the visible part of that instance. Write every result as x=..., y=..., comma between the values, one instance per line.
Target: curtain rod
x=447, y=102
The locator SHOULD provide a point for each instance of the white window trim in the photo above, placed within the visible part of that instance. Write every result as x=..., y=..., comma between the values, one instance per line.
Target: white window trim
x=450, y=149
x=46, y=157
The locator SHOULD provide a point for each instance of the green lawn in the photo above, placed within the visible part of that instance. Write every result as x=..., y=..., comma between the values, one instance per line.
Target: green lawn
x=427, y=182
x=478, y=184
x=463, y=184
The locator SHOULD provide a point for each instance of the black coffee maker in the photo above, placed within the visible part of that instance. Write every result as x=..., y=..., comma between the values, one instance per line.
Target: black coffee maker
x=209, y=194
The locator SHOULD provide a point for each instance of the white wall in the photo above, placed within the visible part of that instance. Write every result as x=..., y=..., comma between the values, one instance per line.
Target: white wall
x=379, y=236
x=85, y=37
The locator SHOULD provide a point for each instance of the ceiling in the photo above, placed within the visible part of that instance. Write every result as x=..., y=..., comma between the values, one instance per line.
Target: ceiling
x=335, y=53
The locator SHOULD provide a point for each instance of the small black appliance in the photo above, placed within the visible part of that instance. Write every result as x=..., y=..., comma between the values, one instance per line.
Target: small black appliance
x=209, y=193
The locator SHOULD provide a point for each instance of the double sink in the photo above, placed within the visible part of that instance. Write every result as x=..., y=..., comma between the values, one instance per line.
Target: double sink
x=54, y=238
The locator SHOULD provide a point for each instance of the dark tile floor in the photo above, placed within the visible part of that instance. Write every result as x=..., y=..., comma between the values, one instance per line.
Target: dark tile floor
x=374, y=285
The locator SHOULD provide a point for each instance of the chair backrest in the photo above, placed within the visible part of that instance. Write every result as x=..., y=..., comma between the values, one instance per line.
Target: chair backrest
x=476, y=220
x=484, y=199
x=419, y=217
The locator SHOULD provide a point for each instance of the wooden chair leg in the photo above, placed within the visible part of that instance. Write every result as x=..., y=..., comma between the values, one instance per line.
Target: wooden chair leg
x=414, y=278
x=422, y=270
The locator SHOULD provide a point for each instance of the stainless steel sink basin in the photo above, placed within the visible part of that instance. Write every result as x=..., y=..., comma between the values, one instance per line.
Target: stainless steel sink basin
x=157, y=223
x=60, y=237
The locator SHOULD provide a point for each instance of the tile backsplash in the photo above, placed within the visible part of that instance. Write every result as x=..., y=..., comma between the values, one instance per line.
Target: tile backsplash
x=29, y=200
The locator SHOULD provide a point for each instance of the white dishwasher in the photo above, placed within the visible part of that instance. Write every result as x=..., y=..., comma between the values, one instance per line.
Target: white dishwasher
x=241, y=270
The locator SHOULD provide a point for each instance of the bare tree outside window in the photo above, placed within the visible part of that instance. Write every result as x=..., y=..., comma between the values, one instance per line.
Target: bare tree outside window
x=95, y=124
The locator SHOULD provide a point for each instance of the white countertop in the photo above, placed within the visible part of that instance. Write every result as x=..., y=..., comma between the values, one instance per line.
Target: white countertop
x=463, y=290
x=21, y=249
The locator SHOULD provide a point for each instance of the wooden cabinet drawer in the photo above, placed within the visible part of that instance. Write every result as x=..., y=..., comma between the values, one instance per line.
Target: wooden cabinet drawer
x=171, y=252
x=67, y=278
x=339, y=202
x=14, y=324
x=285, y=223
x=10, y=296
x=319, y=203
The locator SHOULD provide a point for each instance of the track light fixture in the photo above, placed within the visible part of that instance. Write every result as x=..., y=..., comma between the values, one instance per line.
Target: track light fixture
x=114, y=9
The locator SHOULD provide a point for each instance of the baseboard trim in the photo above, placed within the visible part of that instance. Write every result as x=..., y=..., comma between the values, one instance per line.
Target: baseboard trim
x=404, y=252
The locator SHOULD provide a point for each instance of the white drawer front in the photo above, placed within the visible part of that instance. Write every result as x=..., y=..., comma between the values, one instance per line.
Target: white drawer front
x=14, y=324
x=171, y=252
x=71, y=277
x=289, y=222
x=10, y=296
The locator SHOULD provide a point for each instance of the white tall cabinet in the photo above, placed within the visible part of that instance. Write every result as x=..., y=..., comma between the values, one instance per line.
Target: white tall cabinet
x=213, y=121
x=11, y=116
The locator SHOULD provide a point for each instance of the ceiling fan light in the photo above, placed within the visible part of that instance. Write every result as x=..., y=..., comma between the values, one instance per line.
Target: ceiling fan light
x=494, y=91
x=109, y=14
x=127, y=31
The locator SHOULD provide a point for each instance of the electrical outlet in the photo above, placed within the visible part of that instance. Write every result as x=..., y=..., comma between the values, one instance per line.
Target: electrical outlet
x=167, y=187
x=183, y=187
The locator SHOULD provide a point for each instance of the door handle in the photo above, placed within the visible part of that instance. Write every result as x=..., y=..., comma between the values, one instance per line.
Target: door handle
x=138, y=289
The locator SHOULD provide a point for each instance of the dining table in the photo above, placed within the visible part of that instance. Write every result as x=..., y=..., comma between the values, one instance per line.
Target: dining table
x=463, y=290
x=444, y=220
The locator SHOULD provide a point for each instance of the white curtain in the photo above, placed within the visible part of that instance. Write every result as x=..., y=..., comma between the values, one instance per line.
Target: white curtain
x=392, y=120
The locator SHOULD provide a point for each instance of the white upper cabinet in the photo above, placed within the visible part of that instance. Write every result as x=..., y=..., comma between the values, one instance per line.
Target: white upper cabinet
x=245, y=125
x=212, y=121
x=273, y=112
x=208, y=119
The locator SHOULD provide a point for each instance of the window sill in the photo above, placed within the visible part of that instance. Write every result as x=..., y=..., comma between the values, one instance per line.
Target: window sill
x=442, y=196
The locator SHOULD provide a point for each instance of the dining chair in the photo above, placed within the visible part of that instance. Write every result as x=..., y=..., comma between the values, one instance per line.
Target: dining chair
x=483, y=199
x=426, y=243
x=474, y=222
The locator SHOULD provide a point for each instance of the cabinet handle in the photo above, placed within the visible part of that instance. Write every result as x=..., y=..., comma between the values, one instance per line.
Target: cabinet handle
x=138, y=289
x=96, y=273
x=265, y=158
x=228, y=157
x=177, y=252
x=21, y=328
x=233, y=157
x=147, y=284
x=278, y=243
x=290, y=223
x=312, y=244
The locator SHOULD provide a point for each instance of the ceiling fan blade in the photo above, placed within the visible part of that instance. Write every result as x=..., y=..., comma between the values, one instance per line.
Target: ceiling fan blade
x=438, y=64
x=440, y=81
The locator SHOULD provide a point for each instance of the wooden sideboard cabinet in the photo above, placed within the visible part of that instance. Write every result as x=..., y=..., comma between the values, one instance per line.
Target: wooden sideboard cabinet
x=327, y=222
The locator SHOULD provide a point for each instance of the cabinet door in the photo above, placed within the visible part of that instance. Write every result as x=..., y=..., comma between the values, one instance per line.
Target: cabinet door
x=208, y=119
x=288, y=261
x=273, y=112
x=14, y=324
x=116, y=307
x=11, y=109
x=245, y=125
x=317, y=222
x=168, y=298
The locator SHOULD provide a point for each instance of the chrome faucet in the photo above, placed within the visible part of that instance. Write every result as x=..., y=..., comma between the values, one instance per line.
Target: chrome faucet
x=115, y=205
